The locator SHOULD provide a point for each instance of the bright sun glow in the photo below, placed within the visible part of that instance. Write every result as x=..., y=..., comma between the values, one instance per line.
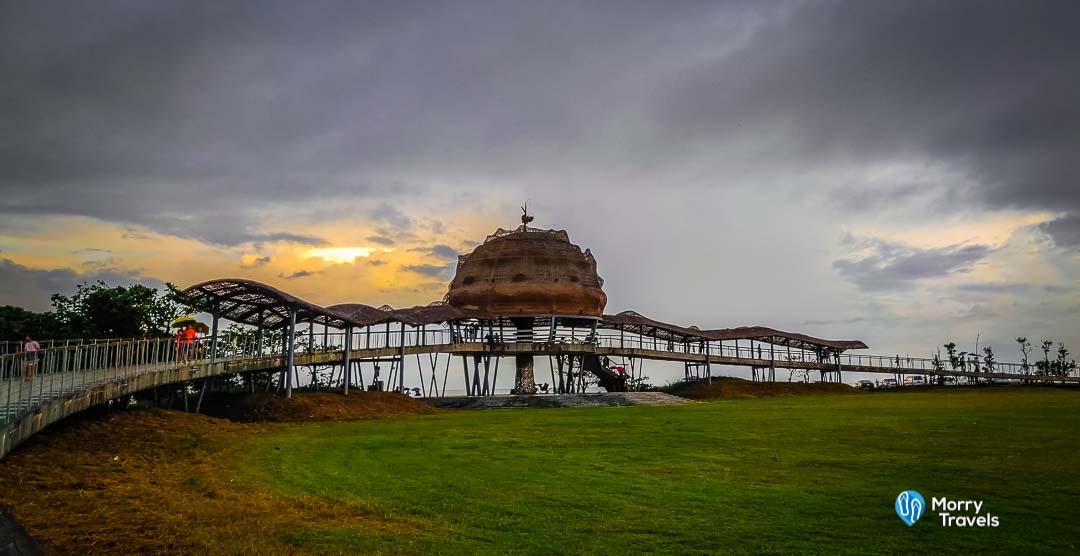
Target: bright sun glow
x=342, y=254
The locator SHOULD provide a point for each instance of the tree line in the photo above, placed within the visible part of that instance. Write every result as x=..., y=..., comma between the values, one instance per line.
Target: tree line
x=1059, y=365
x=98, y=311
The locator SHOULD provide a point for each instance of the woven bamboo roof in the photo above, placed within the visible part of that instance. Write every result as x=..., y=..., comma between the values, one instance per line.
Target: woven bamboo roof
x=437, y=312
x=250, y=302
x=677, y=333
x=528, y=271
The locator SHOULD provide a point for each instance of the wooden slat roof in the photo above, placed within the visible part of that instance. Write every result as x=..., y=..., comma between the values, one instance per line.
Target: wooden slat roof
x=673, y=332
x=252, y=302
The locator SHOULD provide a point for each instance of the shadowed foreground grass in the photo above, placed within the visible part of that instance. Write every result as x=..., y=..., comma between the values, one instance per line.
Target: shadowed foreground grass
x=784, y=475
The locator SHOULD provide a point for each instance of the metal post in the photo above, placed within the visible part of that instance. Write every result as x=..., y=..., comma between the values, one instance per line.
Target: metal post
x=772, y=361
x=346, y=366
x=213, y=339
x=401, y=356
x=202, y=392
x=289, y=353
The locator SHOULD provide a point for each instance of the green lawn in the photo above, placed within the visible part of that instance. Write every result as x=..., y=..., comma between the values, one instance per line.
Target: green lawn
x=812, y=474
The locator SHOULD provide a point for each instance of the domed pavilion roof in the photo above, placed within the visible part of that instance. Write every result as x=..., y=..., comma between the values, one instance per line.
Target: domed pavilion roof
x=528, y=271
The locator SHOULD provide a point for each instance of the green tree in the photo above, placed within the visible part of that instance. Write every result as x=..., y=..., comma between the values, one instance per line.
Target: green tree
x=1062, y=366
x=954, y=361
x=16, y=323
x=1044, y=367
x=100, y=311
x=1025, y=350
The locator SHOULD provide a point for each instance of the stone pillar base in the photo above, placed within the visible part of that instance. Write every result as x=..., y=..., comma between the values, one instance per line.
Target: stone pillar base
x=524, y=381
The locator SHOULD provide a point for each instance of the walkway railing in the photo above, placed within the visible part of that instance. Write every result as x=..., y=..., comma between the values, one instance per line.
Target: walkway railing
x=67, y=368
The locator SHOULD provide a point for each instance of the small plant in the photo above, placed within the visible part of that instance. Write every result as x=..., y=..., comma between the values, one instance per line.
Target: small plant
x=954, y=361
x=1025, y=350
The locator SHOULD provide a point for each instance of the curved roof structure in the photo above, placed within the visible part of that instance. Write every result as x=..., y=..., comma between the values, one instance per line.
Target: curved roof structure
x=250, y=302
x=528, y=271
x=758, y=333
x=254, y=303
x=436, y=312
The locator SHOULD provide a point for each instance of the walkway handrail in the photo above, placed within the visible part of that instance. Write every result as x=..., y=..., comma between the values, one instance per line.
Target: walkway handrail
x=67, y=367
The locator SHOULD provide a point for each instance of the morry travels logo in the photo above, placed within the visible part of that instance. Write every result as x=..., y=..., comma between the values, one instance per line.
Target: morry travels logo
x=910, y=506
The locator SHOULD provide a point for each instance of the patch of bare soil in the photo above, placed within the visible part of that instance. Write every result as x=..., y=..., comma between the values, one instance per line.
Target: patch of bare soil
x=736, y=388
x=319, y=406
x=153, y=481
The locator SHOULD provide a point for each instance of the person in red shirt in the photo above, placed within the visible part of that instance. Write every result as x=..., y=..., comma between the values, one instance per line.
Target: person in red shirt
x=188, y=342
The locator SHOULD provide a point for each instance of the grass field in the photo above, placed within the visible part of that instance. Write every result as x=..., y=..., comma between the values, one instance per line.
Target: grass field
x=810, y=474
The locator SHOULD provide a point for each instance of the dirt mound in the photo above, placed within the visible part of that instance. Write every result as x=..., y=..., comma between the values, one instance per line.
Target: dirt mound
x=736, y=388
x=153, y=482
x=325, y=406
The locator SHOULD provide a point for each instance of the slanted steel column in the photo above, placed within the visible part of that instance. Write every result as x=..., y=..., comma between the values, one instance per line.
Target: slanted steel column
x=290, y=342
x=346, y=366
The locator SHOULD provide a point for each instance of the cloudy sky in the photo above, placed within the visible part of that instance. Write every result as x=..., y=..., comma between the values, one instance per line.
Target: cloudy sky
x=899, y=172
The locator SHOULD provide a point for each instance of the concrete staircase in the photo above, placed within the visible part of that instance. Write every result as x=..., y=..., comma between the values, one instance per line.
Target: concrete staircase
x=610, y=399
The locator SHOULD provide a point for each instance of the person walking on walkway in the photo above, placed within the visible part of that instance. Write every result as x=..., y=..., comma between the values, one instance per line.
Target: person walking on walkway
x=188, y=343
x=30, y=358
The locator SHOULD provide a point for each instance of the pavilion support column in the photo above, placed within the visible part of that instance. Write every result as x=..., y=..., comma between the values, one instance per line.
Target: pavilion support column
x=524, y=375
x=524, y=378
x=289, y=352
x=772, y=362
x=284, y=357
x=213, y=336
x=259, y=337
x=346, y=364
x=401, y=357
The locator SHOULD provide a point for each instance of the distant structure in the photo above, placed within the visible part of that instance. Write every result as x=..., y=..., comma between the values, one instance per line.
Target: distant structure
x=522, y=293
x=524, y=274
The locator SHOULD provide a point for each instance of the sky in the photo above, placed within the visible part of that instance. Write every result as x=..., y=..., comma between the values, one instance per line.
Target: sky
x=904, y=173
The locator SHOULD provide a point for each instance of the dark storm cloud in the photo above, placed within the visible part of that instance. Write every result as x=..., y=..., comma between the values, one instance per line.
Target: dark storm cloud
x=891, y=266
x=193, y=117
x=31, y=288
x=438, y=251
x=381, y=240
x=986, y=89
x=260, y=261
x=1065, y=230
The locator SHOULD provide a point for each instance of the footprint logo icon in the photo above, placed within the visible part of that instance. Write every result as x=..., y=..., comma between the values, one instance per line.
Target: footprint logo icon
x=910, y=506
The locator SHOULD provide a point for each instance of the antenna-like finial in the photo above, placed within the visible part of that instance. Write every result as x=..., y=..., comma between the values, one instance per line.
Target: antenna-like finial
x=525, y=218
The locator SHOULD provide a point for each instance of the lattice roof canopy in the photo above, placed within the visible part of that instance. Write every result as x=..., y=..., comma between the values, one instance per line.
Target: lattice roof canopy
x=255, y=303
